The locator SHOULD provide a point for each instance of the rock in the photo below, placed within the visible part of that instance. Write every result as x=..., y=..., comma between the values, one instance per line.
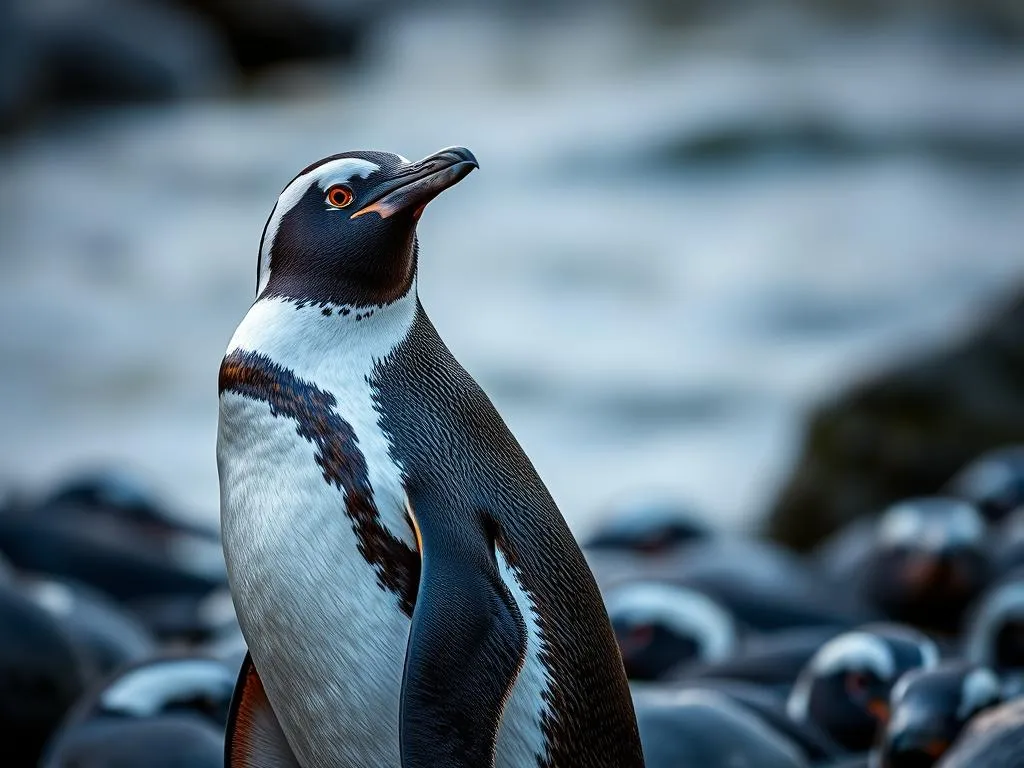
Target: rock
x=647, y=525
x=60, y=52
x=167, y=685
x=106, y=636
x=41, y=676
x=906, y=432
x=171, y=741
x=262, y=33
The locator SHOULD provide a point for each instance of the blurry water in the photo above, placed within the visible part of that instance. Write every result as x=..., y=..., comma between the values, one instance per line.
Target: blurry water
x=642, y=321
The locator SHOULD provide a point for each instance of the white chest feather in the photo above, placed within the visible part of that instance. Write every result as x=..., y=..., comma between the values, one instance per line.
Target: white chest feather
x=328, y=640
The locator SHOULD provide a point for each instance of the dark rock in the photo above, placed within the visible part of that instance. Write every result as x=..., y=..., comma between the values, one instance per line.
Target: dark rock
x=111, y=555
x=121, y=495
x=905, y=433
x=55, y=53
x=704, y=727
x=41, y=676
x=647, y=525
x=107, y=636
x=262, y=33
x=168, y=685
x=178, y=741
x=772, y=661
x=178, y=619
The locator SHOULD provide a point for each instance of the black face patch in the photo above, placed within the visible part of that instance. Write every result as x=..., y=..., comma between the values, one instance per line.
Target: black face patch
x=321, y=255
x=257, y=377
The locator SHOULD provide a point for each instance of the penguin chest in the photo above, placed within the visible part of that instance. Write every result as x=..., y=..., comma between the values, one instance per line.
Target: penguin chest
x=322, y=565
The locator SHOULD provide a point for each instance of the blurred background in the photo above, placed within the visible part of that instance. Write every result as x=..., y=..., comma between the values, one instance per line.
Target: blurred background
x=760, y=256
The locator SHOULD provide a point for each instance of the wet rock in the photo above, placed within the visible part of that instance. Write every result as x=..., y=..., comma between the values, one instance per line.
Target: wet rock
x=697, y=727
x=178, y=741
x=261, y=33
x=60, y=52
x=41, y=676
x=168, y=685
x=907, y=432
x=994, y=739
x=112, y=556
x=647, y=525
x=107, y=637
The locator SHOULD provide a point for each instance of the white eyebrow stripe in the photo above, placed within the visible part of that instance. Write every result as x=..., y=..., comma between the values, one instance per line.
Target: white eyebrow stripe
x=341, y=170
x=338, y=171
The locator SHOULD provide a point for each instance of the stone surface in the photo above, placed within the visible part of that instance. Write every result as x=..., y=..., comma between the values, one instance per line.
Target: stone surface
x=907, y=431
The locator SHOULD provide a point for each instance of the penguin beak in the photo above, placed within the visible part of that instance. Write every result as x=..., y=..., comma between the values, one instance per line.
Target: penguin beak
x=420, y=182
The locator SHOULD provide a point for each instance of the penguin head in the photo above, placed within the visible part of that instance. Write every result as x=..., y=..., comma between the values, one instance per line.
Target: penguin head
x=994, y=482
x=844, y=688
x=930, y=708
x=659, y=626
x=344, y=229
x=929, y=562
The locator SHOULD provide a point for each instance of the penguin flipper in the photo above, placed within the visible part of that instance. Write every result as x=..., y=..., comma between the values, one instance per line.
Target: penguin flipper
x=254, y=738
x=466, y=646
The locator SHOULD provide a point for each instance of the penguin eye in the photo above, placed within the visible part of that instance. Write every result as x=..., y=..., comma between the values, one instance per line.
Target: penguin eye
x=856, y=683
x=339, y=196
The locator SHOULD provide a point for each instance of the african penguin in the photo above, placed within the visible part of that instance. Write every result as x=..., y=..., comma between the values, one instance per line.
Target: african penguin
x=845, y=687
x=408, y=590
x=929, y=708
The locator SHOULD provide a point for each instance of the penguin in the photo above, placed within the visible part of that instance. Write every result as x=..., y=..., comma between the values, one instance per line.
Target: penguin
x=408, y=590
x=706, y=728
x=994, y=739
x=1006, y=548
x=929, y=708
x=927, y=564
x=994, y=482
x=995, y=630
x=660, y=626
x=845, y=687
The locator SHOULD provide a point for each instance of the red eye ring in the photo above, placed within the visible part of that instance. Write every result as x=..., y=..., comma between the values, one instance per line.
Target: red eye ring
x=339, y=196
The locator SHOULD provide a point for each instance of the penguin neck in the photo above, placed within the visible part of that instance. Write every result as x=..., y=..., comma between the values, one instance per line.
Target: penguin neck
x=315, y=340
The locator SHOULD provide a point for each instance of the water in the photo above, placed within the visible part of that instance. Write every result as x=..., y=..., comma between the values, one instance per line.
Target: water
x=640, y=321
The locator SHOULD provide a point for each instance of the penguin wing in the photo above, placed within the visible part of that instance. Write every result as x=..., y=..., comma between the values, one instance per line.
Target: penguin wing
x=466, y=646
x=254, y=738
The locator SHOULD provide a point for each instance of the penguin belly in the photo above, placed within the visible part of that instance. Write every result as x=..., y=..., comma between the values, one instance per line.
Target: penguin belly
x=329, y=643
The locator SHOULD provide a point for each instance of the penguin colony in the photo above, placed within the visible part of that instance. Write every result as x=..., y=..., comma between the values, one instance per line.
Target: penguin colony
x=400, y=589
